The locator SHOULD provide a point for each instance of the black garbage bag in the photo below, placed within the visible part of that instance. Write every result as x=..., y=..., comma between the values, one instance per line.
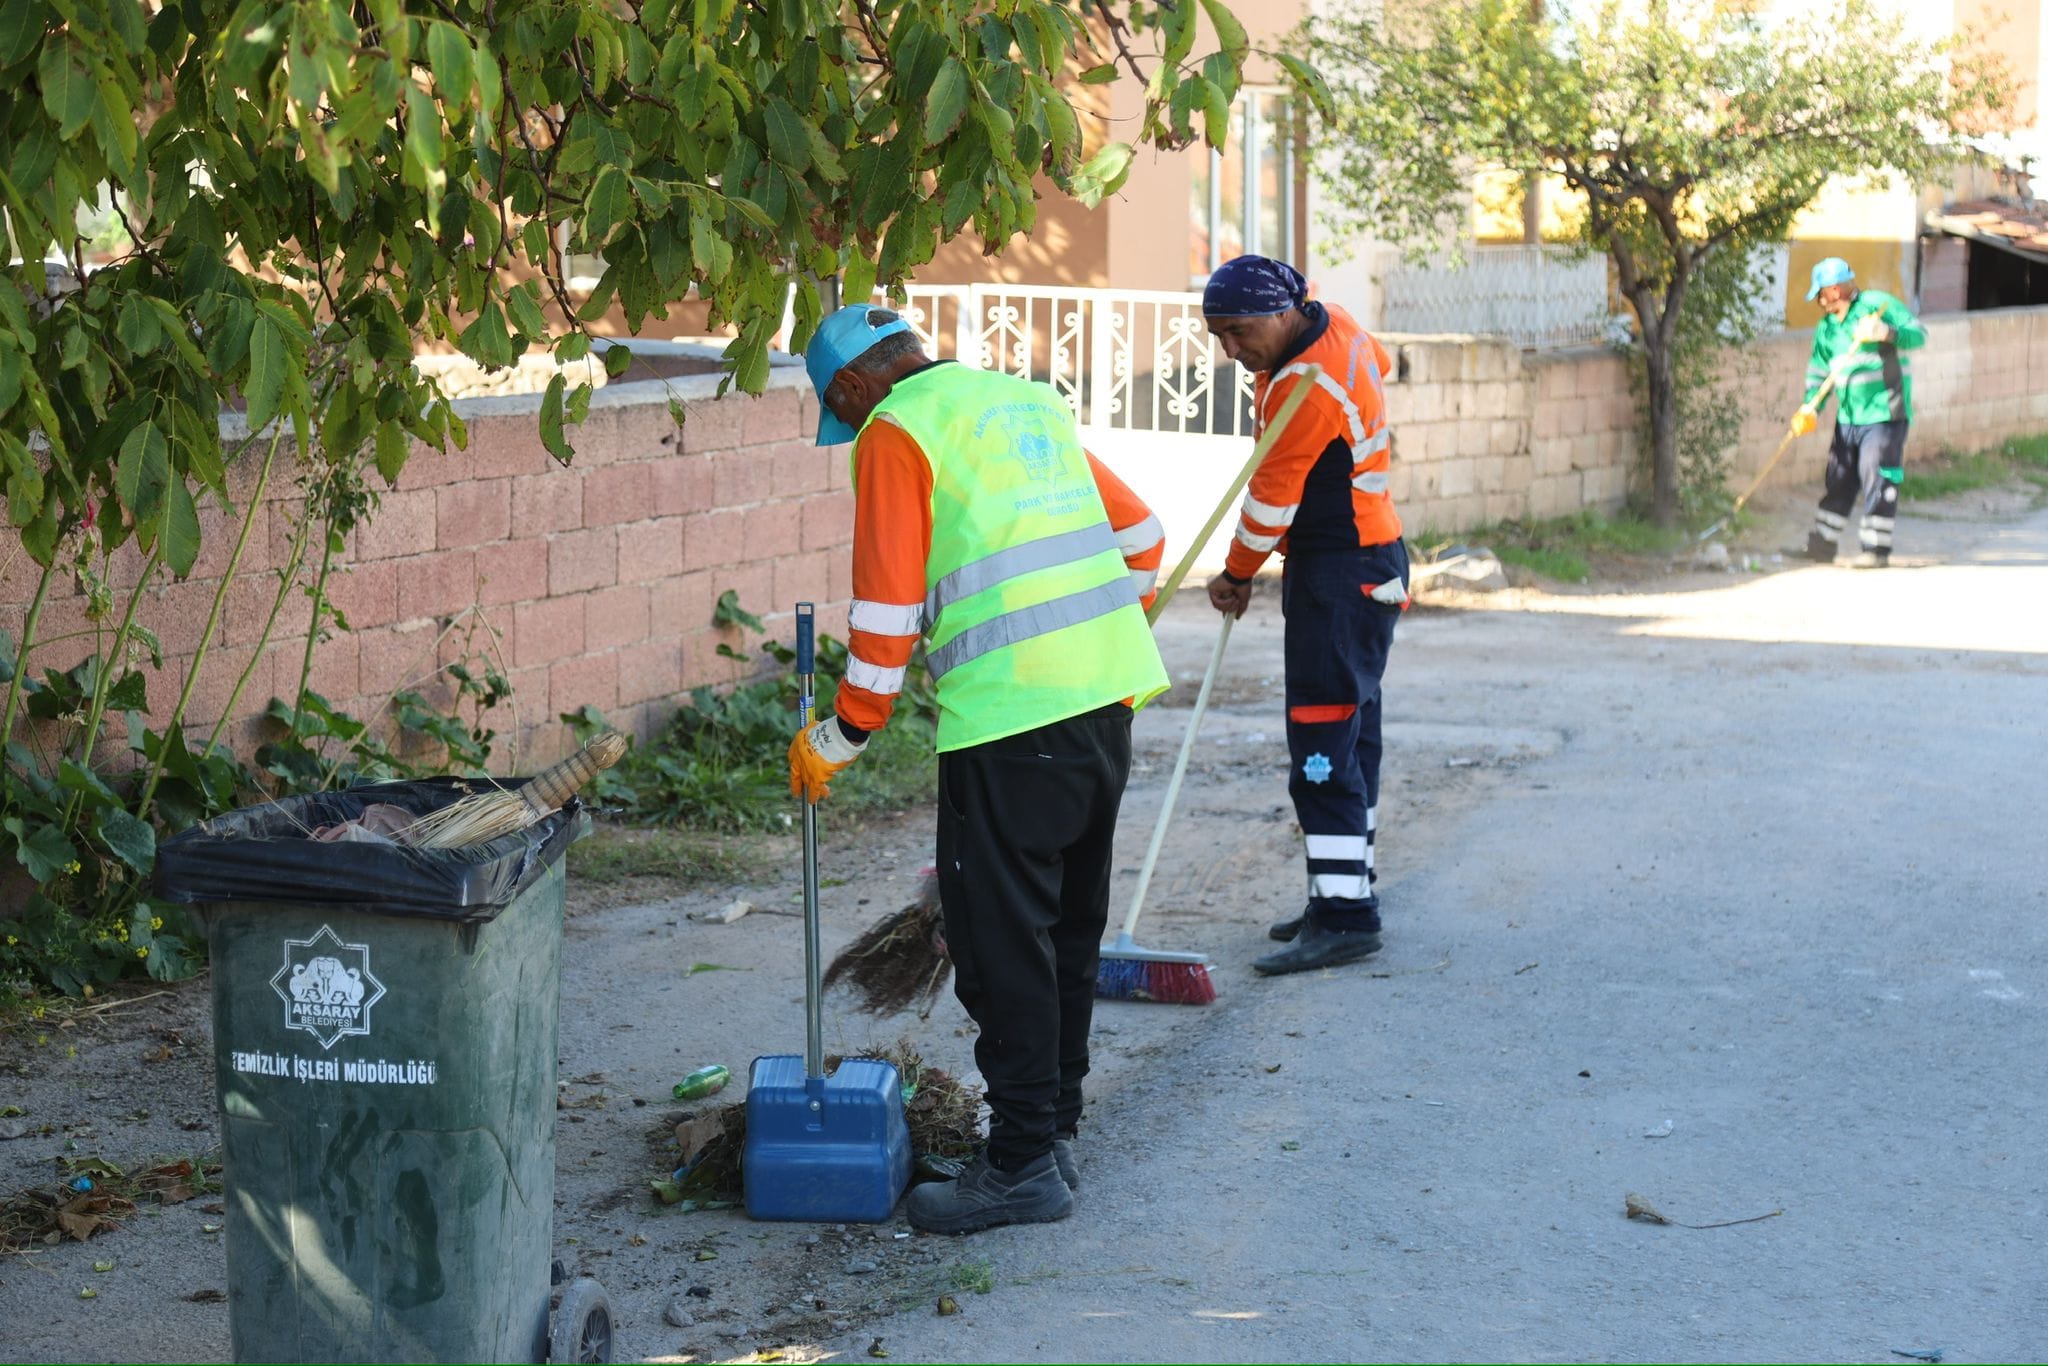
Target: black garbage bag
x=266, y=853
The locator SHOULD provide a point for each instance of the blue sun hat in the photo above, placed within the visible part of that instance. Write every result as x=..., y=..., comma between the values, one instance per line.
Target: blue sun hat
x=840, y=339
x=1831, y=271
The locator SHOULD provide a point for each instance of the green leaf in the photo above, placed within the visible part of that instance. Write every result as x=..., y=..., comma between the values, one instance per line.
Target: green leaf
x=21, y=27
x=486, y=338
x=180, y=529
x=1215, y=114
x=137, y=326
x=448, y=53
x=946, y=102
x=523, y=303
x=788, y=145
x=45, y=853
x=1099, y=75
x=129, y=694
x=130, y=840
x=1104, y=173
x=1230, y=34
x=74, y=777
x=394, y=448
x=267, y=362
x=143, y=472
x=610, y=203
x=618, y=358
x=551, y=421
x=68, y=92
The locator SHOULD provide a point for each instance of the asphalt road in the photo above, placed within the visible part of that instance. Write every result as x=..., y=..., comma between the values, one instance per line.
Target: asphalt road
x=1750, y=922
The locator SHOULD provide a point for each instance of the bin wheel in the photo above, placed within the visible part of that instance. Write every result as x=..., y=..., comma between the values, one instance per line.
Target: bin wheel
x=580, y=1328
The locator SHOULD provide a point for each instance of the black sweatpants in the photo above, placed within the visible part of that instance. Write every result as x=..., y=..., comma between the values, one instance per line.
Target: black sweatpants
x=1865, y=465
x=1025, y=829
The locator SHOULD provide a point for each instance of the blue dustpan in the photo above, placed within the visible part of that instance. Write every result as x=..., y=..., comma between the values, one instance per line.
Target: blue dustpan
x=827, y=1150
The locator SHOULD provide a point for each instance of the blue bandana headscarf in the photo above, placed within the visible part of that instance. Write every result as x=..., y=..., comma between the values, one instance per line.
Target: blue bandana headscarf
x=1253, y=287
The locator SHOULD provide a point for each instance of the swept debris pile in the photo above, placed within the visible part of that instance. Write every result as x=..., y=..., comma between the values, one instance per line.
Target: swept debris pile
x=95, y=1195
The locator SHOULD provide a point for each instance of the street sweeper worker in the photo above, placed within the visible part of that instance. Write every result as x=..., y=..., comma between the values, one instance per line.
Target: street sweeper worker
x=1320, y=498
x=1862, y=339
x=981, y=524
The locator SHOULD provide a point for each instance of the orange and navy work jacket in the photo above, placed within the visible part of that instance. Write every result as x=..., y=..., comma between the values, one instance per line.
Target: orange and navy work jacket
x=1323, y=486
x=892, y=540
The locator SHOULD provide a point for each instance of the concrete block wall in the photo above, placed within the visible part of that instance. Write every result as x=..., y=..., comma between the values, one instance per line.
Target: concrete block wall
x=1485, y=432
x=591, y=584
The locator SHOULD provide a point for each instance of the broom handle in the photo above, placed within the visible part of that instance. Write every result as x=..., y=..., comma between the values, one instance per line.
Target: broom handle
x=1288, y=407
x=814, y=1024
x=1820, y=396
x=1180, y=768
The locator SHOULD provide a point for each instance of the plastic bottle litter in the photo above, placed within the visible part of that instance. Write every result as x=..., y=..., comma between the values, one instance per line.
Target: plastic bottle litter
x=81, y=1183
x=705, y=1081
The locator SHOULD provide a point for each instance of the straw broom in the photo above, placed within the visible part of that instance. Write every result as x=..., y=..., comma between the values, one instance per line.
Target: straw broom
x=488, y=815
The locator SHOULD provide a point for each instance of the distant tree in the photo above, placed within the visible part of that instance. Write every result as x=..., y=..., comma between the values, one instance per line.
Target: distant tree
x=1690, y=131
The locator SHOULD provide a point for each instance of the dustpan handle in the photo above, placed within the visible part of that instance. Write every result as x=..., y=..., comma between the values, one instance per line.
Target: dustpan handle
x=1180, y=768
x=814, y=1023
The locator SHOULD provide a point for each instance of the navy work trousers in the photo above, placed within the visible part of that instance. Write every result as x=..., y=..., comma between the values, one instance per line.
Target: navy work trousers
x=1336, y=649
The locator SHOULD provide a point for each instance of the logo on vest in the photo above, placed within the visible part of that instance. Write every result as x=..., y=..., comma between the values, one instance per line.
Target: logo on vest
x=1032, y=444
x=326, y=986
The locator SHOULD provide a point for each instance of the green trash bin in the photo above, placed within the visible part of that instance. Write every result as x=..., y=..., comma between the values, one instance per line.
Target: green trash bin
x=385, y=1024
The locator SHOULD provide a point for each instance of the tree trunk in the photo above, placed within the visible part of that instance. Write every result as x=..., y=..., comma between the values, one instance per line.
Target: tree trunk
x=1663, y=395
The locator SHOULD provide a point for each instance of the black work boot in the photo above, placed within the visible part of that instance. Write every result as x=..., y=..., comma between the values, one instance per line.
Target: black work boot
x=1285, y=930
x=1819, y=548
x=1063, y=1158
x=984, y=1197
x=1873, y=559
x=1318, y=946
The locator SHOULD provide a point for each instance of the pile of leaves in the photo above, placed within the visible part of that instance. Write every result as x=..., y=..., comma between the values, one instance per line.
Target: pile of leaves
x=706, y=1146
x=93, y=1195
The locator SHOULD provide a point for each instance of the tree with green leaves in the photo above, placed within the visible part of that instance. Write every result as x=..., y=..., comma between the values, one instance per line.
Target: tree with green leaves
x=1688, y=132
x=273, y=204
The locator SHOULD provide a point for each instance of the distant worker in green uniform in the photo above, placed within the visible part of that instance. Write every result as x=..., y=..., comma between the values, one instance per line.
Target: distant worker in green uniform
x=1861, y=340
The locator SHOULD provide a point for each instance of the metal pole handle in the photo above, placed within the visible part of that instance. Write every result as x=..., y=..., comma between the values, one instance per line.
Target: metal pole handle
x=814, y=1023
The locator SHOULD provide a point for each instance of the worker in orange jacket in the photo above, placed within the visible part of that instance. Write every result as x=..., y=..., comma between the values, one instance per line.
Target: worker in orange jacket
x=1320, y=497
x=982, y=528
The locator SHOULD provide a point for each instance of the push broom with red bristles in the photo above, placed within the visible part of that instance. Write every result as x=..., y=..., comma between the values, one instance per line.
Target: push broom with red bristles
x=1126, y=971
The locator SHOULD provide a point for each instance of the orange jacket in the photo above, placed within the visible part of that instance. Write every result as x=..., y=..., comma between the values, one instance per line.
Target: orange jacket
x=1323, y=486
x=892, y=540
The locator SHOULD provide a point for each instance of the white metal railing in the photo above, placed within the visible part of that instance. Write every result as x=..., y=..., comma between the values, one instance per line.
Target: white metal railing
x=1536, y=296
x=1124, y=359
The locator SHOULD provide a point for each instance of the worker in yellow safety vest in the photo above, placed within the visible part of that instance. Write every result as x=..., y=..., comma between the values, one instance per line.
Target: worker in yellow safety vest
x=983, y=527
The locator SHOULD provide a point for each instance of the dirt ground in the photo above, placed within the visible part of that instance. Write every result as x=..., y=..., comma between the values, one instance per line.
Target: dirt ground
x=649, y=994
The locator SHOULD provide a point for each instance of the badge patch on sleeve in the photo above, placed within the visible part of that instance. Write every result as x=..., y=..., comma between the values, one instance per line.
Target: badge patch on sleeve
x=1316, y=768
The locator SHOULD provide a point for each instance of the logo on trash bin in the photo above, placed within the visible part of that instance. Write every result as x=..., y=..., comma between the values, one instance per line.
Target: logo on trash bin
x=326, y=986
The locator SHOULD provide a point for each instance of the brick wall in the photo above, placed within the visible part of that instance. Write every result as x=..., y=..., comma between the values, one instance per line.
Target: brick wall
x=1484, y=431
x=594, y=584
x=591, y=584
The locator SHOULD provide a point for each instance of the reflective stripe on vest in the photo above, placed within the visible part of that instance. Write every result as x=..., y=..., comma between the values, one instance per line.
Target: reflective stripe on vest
x=1047, y=552
x=1026, y=622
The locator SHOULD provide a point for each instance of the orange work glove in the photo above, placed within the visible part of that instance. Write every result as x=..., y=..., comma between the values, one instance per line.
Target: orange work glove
x=1804, y=421
x=816, y=756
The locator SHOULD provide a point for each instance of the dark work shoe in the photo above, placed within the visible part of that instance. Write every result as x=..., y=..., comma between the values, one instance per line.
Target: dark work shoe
x=1284, y=930
x=985, y=1198
x=1317, y=947
x=1063, y=1158
x=1872, y=559
x=1819, y=548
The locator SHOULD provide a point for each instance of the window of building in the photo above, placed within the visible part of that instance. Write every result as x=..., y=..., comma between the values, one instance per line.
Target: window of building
x=1244, y=196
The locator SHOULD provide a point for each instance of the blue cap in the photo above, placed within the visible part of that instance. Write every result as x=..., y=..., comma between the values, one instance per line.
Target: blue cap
x=838, y=340
x=1832, y=271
